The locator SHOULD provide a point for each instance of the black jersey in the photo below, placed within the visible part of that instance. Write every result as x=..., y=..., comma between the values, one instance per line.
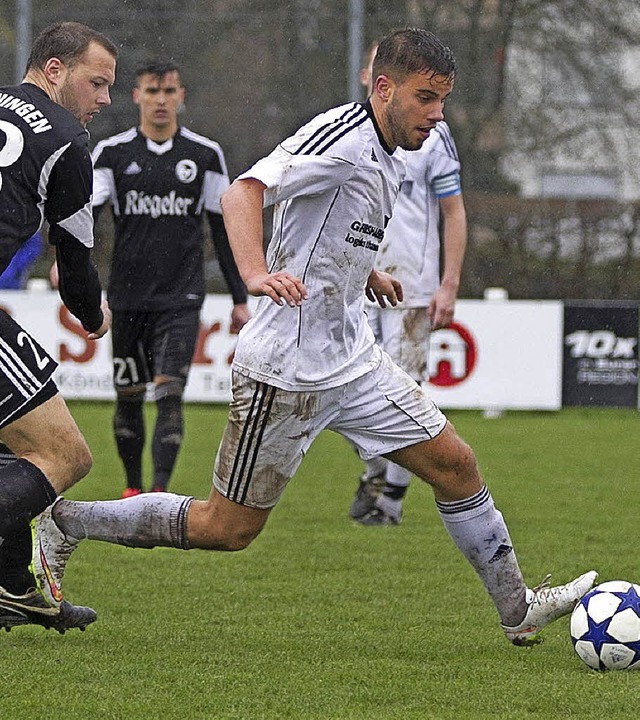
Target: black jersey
x=45, y=170
x=45, y=174
x=158, y=193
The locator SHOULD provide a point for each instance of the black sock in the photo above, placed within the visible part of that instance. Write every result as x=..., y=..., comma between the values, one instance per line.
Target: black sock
x=128, y=427
x=15, y=556
x=167, y=438
x=24, y=493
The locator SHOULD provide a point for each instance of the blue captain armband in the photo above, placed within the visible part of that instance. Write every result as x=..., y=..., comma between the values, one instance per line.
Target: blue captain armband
x=447, y=185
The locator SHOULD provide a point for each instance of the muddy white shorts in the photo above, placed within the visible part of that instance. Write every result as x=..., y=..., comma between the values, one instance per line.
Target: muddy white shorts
x=269, y=429
x=403, y=333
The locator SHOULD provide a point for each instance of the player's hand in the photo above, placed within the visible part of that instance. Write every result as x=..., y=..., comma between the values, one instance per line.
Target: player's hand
x=382, y=287
x=239, y=317
x=441, y=308
x=280, y=287
x=106, y=322
x=54, y=278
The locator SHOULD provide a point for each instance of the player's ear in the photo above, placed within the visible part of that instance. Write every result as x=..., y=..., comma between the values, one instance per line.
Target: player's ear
x=54, y=70
x=135, y=95
x=383, y=87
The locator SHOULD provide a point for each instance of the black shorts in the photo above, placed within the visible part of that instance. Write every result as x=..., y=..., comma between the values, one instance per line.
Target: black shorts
x=150, y=343
x=25, y=371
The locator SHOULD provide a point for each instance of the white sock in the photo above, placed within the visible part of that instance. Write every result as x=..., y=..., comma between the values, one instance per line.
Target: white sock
x=374, y=467
x=480, y=533
x=397, y=475
x=146, y=520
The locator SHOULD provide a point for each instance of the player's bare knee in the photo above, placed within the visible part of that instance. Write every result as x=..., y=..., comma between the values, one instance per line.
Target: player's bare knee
x=221, y=526
x=76, y=462
x=458, y=471
x=226, y=539
x=239, y=540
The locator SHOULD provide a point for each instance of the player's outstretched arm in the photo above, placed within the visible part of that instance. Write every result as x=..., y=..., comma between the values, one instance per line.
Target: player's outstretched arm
x=242, y=213
x=442, y=306
x=78, y=283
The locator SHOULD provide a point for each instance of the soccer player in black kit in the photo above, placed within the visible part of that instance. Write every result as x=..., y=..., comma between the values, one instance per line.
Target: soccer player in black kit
x=159, y=178
x=45, y=174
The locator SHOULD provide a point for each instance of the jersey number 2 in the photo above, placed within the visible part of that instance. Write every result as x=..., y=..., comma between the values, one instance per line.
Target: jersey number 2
x=41, y=361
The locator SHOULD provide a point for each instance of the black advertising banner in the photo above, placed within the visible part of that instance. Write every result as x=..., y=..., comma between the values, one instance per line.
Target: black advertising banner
x=600, y=354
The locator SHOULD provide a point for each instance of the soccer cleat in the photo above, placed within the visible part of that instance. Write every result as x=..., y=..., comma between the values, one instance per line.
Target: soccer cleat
x=51, y=551
x=130, y=492
x=364, y=501
x=33, y=609
x=377, y=516
x=547, y=604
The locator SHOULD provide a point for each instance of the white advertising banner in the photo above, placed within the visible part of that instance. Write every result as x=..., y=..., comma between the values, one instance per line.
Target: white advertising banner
x=499, y=355
x=85, y=369
x=496, y=355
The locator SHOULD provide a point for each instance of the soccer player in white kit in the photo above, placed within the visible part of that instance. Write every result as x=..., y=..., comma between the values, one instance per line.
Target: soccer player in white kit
x=307, y=359
x=430, y=195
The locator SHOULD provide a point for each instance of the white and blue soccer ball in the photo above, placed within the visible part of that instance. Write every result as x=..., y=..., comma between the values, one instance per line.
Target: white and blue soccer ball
x=605, y=626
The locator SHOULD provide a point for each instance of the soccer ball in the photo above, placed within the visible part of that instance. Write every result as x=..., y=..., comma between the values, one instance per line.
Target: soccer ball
x=605, y=626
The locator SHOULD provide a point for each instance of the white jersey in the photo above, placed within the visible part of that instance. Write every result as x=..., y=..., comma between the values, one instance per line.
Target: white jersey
x=333, y=184
x=411, y=252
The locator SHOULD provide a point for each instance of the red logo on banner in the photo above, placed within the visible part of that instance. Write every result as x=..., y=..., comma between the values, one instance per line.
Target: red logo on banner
x=452, y=355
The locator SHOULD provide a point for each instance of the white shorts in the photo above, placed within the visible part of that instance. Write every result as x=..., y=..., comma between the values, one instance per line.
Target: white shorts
x=403, y=333
x=269, y=430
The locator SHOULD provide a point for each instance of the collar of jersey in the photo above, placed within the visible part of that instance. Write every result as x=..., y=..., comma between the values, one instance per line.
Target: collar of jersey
x=369, y=109
x=157, y=148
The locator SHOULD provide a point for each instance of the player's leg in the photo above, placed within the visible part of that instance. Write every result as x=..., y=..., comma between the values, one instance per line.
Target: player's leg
x=400, y=414
x=51, y=455
x=20, y=602
x=406, y=339
x=15, y=552
x=479, y=531
x=174, y=341
x=128, y=431
x=403, y=333
x=373, y=477
x=131, y=373
x=264, y=441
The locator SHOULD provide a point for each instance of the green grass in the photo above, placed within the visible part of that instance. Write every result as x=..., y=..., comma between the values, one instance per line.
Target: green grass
x=323, y=619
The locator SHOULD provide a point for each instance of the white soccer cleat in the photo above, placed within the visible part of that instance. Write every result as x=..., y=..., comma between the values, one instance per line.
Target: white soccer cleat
x=51, y=551
x=547, y=604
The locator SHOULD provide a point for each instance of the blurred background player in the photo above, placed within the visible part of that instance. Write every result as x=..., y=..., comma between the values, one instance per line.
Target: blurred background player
x=46, y=175
x=159, y=177
x=430, y=194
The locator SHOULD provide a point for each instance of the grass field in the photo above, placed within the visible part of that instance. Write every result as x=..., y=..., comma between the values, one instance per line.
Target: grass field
x=323, y=619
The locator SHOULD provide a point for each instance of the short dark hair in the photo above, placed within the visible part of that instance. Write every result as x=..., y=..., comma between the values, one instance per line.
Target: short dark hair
x=66, y=41
x=157, y=68
x=413, y=50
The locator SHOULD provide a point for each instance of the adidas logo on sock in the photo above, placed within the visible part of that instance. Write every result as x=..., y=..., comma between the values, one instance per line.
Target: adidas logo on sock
x=501, y=552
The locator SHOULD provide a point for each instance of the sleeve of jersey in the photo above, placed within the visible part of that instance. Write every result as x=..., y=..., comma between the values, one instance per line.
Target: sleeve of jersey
x=216, y=181
x=443, y=168
x=288, y=174
x=104, y=188
x=68, y=202
x=79, y=285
